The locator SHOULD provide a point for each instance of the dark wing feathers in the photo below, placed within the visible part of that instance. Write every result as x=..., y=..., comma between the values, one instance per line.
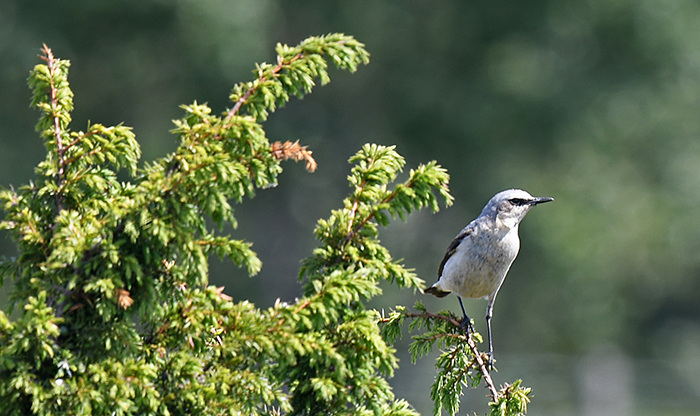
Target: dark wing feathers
x=432, y=290
x=450, y=251
x=453, y=247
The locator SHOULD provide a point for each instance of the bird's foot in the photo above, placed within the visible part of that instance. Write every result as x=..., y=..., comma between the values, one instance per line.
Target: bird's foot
x=466, y=325
x=490, y=361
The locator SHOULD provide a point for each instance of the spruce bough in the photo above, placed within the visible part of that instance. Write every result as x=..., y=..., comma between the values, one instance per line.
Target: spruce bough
x=116, y=315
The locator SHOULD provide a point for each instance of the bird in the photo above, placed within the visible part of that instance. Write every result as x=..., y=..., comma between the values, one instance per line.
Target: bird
x=478, y=258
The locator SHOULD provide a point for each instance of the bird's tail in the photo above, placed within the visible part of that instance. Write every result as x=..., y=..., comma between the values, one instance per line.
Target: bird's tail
x=433, y=290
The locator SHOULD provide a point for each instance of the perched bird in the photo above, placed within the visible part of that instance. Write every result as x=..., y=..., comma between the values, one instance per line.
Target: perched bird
x=478, y=259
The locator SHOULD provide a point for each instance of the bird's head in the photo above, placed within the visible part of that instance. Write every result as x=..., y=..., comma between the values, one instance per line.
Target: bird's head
x=509, y=207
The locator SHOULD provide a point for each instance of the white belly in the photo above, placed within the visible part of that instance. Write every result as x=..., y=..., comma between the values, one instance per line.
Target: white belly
x=477, y=268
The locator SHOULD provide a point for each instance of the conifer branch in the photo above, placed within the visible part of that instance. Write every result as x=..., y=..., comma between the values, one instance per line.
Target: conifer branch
x=354, y=230
x=469, y=339
x=281, y=63
x=48, y=57
x=356, y=204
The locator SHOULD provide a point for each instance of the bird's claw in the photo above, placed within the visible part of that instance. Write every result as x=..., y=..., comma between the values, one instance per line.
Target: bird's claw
x=490, y=361
x=466, y=325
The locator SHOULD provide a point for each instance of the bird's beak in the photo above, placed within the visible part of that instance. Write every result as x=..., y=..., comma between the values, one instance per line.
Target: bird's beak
x=541, y=200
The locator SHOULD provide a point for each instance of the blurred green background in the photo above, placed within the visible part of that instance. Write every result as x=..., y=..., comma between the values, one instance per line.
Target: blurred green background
x=593, y=102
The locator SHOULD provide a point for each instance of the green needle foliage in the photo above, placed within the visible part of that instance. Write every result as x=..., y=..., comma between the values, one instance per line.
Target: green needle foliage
x=116, y=315
x=459, y=366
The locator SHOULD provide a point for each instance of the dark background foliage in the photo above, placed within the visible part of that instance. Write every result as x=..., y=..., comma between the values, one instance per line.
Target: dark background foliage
x=594, y=103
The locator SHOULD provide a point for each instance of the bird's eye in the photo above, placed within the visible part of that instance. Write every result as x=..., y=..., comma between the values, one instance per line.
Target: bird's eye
x=517, y=201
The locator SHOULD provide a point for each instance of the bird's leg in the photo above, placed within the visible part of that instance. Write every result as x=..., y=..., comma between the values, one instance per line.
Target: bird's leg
x=466, y=324
x=489, y=314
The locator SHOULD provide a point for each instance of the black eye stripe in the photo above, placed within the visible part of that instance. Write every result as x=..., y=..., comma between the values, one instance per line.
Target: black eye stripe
x=517, y=201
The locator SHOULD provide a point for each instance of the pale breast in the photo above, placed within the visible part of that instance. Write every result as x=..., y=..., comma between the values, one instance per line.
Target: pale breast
x=479, y=264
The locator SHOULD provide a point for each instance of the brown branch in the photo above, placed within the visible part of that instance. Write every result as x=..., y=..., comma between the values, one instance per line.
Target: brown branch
x=482, y=366
x=358, y=227
x=303, y=305
x=299, y=308
x=478, y=357
x=236, y=108
x=280, y=65
x=92, y=152
x=353, y=212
